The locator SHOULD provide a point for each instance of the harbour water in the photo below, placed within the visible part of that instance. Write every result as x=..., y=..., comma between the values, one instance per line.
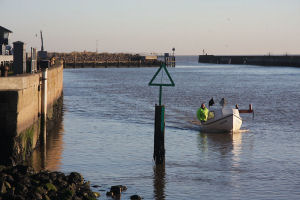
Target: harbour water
x=108, y=126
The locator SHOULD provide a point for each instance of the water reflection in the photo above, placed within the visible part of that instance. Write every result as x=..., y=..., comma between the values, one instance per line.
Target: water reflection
x=224, y=153
x=49, y=156
x=237, y=147
x=223, y=142
x=159, y=181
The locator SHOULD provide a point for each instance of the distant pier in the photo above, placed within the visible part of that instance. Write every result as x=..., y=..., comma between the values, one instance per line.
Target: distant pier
x=106, y=60
x=266, y=60
x=111, y=64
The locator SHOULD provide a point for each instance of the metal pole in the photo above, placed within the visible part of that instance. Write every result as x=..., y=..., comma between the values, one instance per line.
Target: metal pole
x=44, y=106
x=42, y=47
x=44, y=91
x=160, y=92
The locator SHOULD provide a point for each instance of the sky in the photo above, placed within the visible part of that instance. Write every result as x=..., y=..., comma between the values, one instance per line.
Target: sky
x=220, y=27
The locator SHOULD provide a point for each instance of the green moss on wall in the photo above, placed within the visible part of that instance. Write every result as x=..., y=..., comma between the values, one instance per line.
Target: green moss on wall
x=27, y=139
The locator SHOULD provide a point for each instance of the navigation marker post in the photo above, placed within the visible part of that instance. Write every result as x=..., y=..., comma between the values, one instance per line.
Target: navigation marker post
x=159, y=127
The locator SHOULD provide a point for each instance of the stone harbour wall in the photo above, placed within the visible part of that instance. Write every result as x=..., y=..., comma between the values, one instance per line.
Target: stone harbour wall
x=20, y=110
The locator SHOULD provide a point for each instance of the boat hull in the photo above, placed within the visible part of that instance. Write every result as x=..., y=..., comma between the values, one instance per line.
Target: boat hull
x=227, y=123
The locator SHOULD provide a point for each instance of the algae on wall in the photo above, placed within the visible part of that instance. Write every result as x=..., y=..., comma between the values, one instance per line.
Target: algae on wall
x=29, y=140
x=26, y=142
x=19, y=148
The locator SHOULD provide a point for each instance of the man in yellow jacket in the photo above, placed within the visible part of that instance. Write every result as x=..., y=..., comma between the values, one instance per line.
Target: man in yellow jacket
x=202, y=113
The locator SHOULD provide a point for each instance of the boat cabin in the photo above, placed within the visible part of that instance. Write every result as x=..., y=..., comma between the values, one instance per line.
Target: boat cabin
x=217, y=112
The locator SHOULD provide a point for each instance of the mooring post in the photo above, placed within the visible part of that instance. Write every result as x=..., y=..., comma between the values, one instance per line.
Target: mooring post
x=6, y=68
x=159, y=135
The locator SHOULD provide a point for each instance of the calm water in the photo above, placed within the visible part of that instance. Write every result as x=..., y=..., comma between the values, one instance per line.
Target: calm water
x=107, y=132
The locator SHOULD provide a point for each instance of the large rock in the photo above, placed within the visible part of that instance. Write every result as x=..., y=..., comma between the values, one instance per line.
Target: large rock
x=135, y=197
x=118, y=189
x=75, y=177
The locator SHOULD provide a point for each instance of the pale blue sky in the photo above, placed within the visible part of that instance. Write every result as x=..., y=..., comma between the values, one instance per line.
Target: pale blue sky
x=218, y=26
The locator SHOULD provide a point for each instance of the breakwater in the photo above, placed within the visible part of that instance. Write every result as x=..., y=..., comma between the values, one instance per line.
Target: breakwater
x=21, y=105
x=267, y=60
x=105, y=60
x=111, y=64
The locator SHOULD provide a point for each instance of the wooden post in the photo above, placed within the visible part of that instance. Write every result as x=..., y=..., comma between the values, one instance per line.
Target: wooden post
x=159, y=135
x=159, y=181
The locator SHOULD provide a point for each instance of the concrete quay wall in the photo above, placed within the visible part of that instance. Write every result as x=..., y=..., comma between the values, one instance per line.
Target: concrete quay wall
x=20, y=110
x=19, y=103
x=269, y=60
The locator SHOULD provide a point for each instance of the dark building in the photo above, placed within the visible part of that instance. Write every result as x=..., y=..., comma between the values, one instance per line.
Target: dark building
x=19, y=65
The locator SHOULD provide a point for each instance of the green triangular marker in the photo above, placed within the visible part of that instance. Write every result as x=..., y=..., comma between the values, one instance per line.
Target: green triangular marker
x=163, y=66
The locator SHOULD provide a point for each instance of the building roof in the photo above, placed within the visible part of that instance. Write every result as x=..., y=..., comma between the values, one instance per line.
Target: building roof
x=4, y=29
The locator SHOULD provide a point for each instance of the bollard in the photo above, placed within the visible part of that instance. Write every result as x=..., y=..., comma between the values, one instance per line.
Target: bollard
x=6, y=68
x=2, y=69
x=159, y=135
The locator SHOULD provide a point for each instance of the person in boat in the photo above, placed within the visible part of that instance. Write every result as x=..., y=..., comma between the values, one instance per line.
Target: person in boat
x=223, y=102
x=211, y=102
x=202, y=113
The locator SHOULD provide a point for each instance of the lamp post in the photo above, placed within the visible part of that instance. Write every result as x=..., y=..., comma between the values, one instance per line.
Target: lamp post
x=173, y=58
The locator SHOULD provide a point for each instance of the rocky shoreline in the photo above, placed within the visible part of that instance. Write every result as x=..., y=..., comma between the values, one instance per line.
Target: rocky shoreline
x=22, y=182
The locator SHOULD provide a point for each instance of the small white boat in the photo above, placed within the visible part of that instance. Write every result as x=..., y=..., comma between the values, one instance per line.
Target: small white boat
x=222, y=119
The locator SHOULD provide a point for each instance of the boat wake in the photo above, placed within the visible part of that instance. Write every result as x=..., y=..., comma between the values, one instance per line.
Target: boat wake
x=242, y=131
